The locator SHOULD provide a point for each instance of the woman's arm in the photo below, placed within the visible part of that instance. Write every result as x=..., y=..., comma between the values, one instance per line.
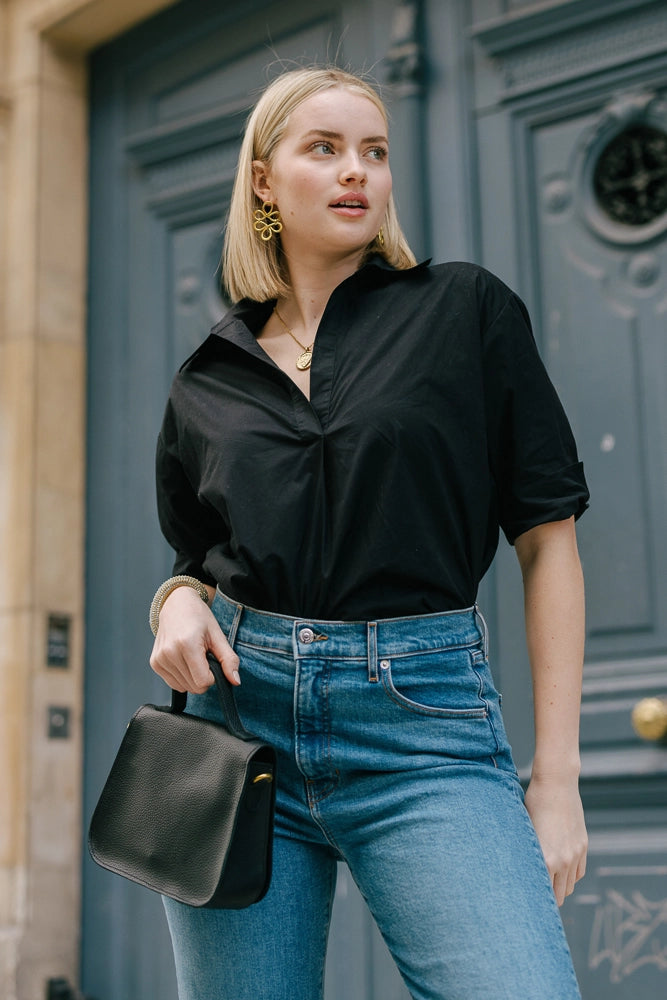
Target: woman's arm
x=554, y=611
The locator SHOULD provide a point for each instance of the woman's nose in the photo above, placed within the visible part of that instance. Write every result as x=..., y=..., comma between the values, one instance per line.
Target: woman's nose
x=353, y=169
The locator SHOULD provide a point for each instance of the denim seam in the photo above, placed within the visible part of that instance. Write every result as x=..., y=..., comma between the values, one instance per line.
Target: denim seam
x=431, y=649
x=371, y=644
x=321, y=822
x=478, y=660
x=234, y=625
x=274, y=650
x=319, y=655
x=326, y=923
x=419, y=709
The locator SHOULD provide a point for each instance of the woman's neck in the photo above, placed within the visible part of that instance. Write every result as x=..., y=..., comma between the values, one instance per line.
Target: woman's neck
x=312, y=283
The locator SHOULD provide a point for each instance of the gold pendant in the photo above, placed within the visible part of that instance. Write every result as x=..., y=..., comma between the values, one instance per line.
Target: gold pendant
x=303, y=361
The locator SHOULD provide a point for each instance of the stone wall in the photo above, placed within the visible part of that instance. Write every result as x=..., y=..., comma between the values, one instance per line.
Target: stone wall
x=43, y=208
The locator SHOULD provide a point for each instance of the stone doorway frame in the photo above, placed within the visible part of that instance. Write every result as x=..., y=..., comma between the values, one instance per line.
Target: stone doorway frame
x=43, y=283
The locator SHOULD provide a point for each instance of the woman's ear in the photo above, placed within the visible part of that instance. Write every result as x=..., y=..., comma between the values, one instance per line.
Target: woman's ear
x=260, y=181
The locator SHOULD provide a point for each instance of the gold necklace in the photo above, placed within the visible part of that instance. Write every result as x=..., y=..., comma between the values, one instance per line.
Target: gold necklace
x=304, y=360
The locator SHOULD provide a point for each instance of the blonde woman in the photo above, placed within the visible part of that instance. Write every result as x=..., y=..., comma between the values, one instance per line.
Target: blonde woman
x=335, y=463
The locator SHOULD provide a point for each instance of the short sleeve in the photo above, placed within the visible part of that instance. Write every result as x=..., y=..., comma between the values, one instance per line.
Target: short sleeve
x=190, y=527
x=532, y=451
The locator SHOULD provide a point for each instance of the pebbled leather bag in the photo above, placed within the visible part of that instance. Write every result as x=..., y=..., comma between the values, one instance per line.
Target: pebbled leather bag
x=187, y=809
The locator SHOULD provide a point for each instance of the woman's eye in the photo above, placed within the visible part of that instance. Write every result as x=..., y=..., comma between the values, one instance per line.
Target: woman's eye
x=378, y=153
x=322, y=147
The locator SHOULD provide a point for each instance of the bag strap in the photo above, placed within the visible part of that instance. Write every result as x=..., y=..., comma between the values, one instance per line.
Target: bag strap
x=227, y=699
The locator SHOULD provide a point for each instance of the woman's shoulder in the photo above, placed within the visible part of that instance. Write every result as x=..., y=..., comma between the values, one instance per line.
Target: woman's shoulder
x=468, y=274
x=470, y=288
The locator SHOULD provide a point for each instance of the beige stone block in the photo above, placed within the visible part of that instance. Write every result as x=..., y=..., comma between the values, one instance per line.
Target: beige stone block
x=17, y=430
x=63, y=69
x=22, y=213
x=9, y=966
x=59, y=477
x=4, y=152
x=23, y=44
x=82, y=24
x=55, y=812
x=62, y=237
x=3, y=41
x=15, y=722
x=12, y=897
x=58, y=551
x=60, y=400
x=49, y=948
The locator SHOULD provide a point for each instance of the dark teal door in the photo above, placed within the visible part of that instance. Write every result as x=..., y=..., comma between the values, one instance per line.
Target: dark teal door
x=168, y=103
x=524, y=114
x=571, y=125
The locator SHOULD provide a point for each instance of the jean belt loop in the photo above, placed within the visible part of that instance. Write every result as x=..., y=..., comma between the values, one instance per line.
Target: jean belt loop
x=372, y=648
x=234, y=627
x=484, y=632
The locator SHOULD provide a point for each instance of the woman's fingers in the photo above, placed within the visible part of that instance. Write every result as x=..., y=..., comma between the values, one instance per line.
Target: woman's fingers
x=223, y=652
x=187, y=632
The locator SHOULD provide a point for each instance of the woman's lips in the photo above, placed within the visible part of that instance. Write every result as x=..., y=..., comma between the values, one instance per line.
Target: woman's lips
x=353, y=211
x=353, y=204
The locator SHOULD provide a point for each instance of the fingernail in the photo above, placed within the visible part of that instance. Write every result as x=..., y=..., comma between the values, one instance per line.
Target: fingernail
x=237, y=677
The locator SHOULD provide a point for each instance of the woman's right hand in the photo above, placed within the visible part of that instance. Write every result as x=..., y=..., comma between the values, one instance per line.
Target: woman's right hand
x=187, y=631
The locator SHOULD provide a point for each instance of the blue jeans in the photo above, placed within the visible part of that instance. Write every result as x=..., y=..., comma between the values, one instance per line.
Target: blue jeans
x=392, y=756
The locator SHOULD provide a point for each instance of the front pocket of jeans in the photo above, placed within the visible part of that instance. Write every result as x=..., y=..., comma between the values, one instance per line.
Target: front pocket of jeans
x=444, y=683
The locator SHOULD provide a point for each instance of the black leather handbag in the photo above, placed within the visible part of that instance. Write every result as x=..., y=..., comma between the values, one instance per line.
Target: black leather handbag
x=187, y=809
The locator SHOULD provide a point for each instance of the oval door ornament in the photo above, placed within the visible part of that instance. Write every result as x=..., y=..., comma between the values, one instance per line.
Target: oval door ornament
x=621, y=170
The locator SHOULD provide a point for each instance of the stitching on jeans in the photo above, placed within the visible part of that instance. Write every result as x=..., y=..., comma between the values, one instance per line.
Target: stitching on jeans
x=434, y=649
x=431, y=710
x=371, y=641
x=477, y=665
x=234, y=627
x=326, y=925
x=265, y=649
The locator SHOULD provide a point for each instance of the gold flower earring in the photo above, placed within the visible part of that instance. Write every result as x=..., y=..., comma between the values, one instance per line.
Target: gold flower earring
x=380, y=237
x=267, y=221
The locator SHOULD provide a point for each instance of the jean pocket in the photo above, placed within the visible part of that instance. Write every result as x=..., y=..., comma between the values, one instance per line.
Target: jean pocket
x=448, y=683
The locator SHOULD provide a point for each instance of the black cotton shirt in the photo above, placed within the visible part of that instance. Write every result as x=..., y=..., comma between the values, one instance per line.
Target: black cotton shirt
x=431, y=423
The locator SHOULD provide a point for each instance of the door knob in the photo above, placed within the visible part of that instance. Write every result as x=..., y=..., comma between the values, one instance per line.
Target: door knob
x=649, y=718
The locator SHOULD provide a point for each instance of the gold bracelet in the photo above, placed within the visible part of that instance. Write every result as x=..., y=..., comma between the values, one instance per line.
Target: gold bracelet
x=163, y=592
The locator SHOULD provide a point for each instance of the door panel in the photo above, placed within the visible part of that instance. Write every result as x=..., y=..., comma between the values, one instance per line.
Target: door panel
x=168, y=103
x=575, y=216
x=602, y=315
x=619, y=916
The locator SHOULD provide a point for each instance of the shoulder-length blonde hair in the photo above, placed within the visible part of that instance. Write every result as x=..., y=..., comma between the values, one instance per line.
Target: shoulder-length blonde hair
x=254, y=268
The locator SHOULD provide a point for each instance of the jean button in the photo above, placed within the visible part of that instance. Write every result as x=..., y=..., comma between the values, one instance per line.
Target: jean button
x=306, y=635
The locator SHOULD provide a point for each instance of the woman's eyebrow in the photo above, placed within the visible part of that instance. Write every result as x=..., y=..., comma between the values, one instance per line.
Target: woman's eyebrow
x=326, y=134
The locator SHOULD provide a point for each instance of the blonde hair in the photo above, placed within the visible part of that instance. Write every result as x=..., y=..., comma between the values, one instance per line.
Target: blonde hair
x=254, y=268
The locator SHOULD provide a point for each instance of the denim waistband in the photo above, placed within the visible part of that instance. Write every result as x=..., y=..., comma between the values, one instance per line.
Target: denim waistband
x=350, y=639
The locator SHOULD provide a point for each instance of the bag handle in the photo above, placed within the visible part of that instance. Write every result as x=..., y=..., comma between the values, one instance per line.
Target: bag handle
x=227, y=699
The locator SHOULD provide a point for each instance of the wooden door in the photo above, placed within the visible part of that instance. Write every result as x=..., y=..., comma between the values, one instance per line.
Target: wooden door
x=571, y=125
x=168, y=102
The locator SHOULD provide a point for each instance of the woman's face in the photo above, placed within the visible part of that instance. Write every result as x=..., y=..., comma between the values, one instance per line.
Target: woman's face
x=330, y=176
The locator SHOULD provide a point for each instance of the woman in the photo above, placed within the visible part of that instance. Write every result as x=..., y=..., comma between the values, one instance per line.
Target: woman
x=334, y=466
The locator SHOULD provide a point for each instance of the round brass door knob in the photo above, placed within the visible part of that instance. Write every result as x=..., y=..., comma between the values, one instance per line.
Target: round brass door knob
x=649, y=718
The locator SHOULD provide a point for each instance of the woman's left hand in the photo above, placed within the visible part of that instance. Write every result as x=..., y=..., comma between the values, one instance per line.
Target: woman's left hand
x=554, y=806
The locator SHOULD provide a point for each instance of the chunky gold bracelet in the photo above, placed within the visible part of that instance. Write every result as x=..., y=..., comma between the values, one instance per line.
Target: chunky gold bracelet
x=165, y=589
